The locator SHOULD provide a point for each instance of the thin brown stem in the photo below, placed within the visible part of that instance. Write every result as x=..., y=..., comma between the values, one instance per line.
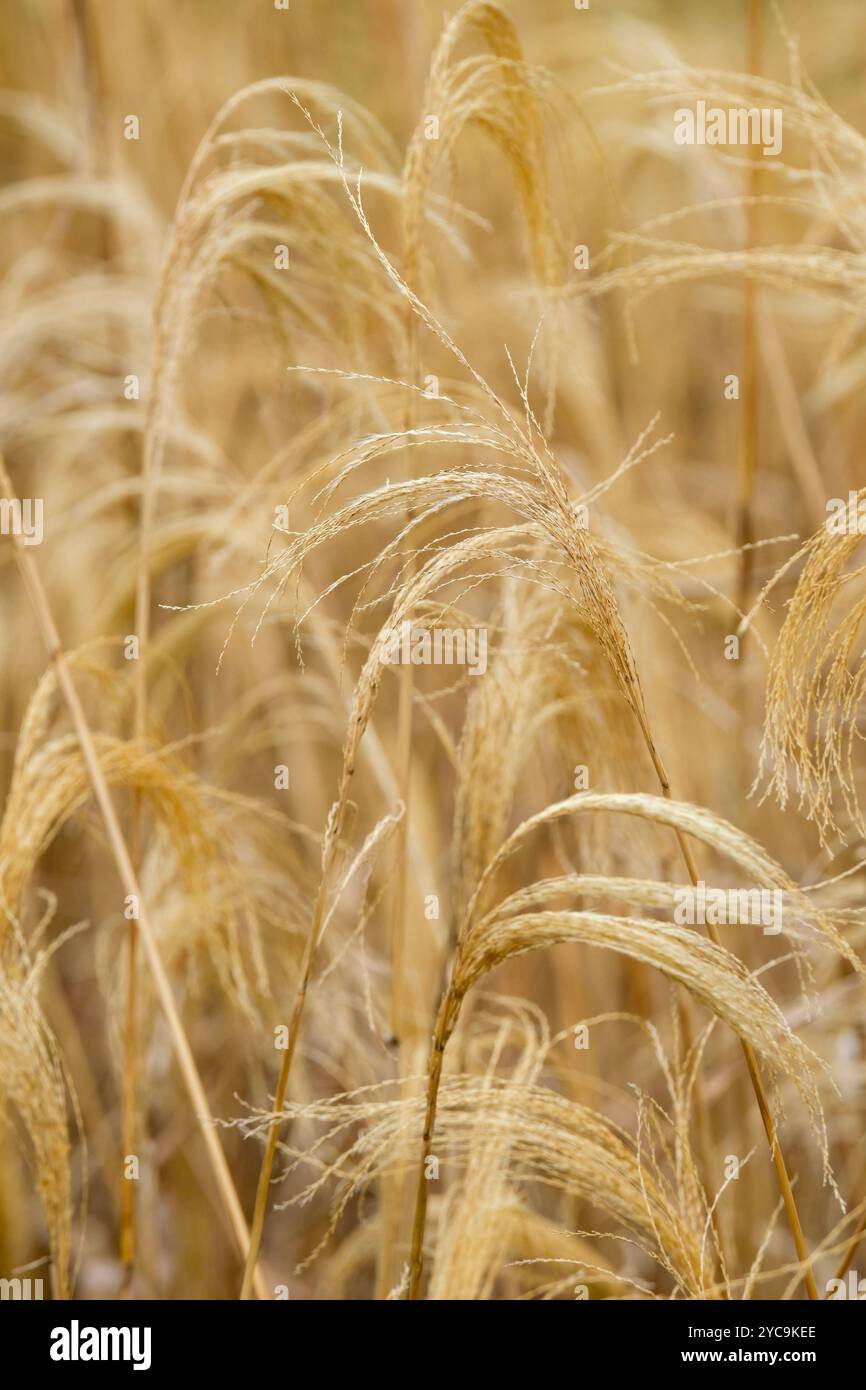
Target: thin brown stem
x=445, y=1021
x=130, y=1084
x=399, y=1012
x=93, y=84
x=747, y=467
x=264, y=1183
x=392, y=1185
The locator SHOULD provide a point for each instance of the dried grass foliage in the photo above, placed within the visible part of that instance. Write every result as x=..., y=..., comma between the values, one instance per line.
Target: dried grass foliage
x=815, y=685
x=503, y=1133
x=283, y=497
x=35, y=1093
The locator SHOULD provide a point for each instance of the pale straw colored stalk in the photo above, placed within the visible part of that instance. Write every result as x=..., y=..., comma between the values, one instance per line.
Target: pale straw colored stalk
x=129, y=880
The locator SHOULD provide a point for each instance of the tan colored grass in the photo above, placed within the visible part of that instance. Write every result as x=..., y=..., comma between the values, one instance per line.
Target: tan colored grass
x=566, y=396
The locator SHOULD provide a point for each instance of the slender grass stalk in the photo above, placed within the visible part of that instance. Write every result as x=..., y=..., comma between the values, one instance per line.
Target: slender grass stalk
x=306, y=969
x=747, y=470
x=399, y=906
x=400, y=1014
x=130, y=1069
x=264, y=1183
x=84, y=23
x=130, y=1032
x=129, y=879
x=445, y=1021
x=392, y=1186
x=845, y=1263
x=332, y=840
x=405, y=707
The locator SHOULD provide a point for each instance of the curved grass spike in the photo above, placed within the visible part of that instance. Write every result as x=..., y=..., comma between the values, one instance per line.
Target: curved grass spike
x=480, y=950
x=446, y=1021
x=35, y=1084
x=493, y=93
x=496, y=93
x=816, y=680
